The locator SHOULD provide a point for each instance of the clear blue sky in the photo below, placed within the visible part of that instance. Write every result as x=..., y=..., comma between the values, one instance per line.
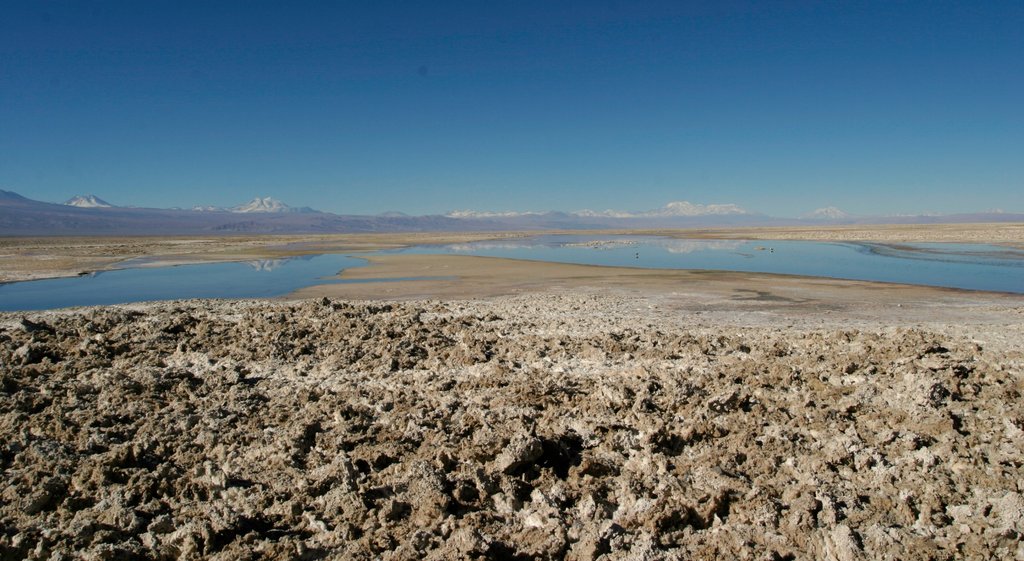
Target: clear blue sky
x=424, y=107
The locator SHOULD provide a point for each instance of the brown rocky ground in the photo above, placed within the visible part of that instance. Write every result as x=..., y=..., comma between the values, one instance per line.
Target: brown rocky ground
x=576, y=425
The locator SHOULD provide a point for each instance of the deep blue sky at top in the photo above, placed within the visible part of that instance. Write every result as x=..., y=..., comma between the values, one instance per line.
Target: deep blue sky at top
x=424, y=107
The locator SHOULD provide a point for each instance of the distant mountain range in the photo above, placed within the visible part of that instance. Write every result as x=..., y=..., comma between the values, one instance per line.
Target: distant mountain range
x=91, y=215
x=259, y=204
x=21, y=216
x=673, y=210
x=676, y=209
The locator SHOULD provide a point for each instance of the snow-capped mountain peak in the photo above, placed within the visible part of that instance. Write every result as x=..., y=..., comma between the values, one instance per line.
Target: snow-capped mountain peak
x=259, y=204
x=672, y=209
x=490, y=214
x=686, y=208
x=87, y=201
x=826, y=213
x=264, y=204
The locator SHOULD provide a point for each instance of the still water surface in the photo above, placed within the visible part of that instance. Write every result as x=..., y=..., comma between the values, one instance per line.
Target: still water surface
x=254, y=279
x=976, y=267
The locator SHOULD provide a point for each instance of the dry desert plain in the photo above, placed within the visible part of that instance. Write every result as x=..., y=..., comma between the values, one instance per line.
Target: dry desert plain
x=513, y=410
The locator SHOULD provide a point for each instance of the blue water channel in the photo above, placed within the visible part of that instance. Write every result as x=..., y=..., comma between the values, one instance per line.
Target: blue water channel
x=974, y=267
x=255, y=279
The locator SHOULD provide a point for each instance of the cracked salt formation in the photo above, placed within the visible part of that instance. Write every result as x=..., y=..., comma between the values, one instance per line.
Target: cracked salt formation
x=541, y=426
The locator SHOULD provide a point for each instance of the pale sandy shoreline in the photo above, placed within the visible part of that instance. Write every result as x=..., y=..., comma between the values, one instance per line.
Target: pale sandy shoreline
x=465, y=277
x=1009, y=234
x=37, y=258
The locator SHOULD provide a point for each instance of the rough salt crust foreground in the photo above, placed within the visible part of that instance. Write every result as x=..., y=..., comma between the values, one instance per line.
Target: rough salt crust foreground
x=585, y=426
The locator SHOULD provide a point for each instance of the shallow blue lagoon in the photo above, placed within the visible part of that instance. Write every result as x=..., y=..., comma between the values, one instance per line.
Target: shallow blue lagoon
x=254, y=279
x=975, y=267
